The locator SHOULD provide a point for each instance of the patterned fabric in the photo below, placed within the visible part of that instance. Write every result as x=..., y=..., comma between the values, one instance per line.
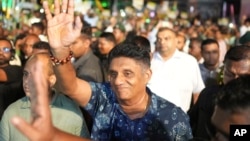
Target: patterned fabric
x=163, y=121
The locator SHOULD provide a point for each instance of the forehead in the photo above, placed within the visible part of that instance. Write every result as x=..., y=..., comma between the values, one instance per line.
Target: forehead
x=121, y=63
x=102, y=39
x=31, y=38
x=4, y=43
x=222, y=119
x=164, y=33
x=211, y=46
x=242, y=66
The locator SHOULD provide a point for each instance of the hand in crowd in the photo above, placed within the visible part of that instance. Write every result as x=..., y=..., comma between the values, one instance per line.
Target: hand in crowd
x=62, y=31
x=62, y=28
x=40, y=128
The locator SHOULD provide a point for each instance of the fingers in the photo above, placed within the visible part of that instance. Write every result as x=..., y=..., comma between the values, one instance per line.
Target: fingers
x=24, y=127
x=46, y=10
x=78, y=24
x=71, y=7
x=40, y=98
x=57, y=7
x=64, y=6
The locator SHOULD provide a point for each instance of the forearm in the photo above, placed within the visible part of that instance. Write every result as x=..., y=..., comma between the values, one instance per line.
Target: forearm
x=62, y=136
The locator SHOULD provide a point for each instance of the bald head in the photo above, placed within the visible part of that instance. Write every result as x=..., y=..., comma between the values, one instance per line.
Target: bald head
x=41, y=61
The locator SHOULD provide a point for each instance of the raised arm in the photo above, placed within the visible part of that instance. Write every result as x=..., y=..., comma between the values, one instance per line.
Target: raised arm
x=62, y=30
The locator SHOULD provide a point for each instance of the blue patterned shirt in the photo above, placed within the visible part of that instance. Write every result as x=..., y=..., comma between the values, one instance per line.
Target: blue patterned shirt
x=162, y=122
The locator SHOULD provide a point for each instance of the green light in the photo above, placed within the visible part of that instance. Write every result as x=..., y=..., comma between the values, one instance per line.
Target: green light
x=104, y=4
x=9, y=4
x=147, y=20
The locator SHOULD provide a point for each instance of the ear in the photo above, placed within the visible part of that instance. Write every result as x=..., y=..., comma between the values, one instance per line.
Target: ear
x=148, y=74
x=52, y=80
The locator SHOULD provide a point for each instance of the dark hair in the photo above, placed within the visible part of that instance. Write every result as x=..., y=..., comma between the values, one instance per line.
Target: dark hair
x=235, y=94
x=197, y=40
x=131, y=51
x=39, y=25
x=19, y=37
x=142, y=42
x=108, y=36
x=41, y=45
x=207, y=42
x=238, y=53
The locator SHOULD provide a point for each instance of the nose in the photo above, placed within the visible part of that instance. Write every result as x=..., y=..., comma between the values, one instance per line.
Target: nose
x=119, y=79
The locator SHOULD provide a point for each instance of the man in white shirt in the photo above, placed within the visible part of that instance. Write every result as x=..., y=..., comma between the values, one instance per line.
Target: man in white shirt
x=176, y=75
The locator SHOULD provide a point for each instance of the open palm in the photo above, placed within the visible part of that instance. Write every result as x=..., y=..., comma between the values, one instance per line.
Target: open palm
x=62, y=28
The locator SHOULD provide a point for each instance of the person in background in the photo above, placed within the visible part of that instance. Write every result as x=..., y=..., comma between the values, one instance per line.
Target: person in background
x=66, y=114
x=119, y=32
x=222, y=44
x=10, y=76
x=19, y=43
x=232, y=106
x=245, y=39
x=124, y=109
x=211, y=67
x=38, y=29
x=86, y=64
x=236, y=63
x=41, y=46
x=176, y=75
x=195, y=49
x=29, y=41
x=181, y=40
x=143, y=43
x=106, y=43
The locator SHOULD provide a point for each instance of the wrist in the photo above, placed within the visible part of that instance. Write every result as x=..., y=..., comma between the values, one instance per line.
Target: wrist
x=60, y=53
x=60, y=58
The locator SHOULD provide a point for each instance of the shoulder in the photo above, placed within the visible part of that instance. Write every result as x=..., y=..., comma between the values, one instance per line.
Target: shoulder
x=13, y=67
x=15, y=106
x=186, y=57
x=173, y=118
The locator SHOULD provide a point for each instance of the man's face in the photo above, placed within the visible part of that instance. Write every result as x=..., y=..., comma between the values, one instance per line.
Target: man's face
x=211, y=54
x=166, y=41
x=234, y=69
x=128, y=78
x=222, y=119
x=80, y=47
x=35, y=30
x=28, y=45
x=118, y=34
x=194, y=49
x=32, y=69
x=5, y=52
x=180, y=42
x=104, y=46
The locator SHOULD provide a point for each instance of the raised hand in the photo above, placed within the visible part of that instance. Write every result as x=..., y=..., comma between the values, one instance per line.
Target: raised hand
x=40, y=128
x=62, y=28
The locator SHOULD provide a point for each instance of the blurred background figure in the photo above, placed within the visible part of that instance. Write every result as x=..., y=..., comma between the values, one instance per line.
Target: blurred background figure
x=10, y=76
x=195, y=49
x=87, y=65
x=211, y=67
x=106, y=43
x=29, y=41
x=236, y=64
x=232, y=107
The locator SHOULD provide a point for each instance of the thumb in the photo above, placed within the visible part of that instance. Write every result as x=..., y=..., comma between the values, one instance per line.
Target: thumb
x=25, y=128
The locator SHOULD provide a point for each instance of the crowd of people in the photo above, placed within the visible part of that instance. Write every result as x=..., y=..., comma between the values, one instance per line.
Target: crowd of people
x=66, y=79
